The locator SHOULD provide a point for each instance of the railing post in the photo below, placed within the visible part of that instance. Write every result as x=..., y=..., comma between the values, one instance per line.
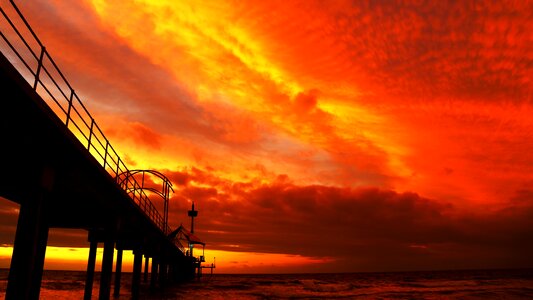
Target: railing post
x=90, y=135
x=39, y=66
x=118, y=165
x=69, y=106
x=105, y=154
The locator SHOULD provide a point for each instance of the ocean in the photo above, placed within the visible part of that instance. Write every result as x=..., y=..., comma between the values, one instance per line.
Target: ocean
x=476, y=284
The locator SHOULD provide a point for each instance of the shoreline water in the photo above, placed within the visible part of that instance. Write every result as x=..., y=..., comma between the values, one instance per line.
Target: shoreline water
x=463, y=284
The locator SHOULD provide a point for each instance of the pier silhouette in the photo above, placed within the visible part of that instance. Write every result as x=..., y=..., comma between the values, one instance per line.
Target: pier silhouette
x=59, y=166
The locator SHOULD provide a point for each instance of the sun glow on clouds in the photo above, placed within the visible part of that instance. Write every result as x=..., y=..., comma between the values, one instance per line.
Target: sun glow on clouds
x=251, y=262
x=203, y=33
x=68, y=258
x=73, y=258
x=229, y=59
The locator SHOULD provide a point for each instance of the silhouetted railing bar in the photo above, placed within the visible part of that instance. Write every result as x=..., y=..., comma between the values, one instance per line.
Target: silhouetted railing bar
x=90, y=135
x=111, y=169
x=58, y=70
x=118, y=167
x=26, y=23
x=69, y=106
x=79, y=130
x=95, y=151
x=52, y=96
x=50, y=93
x=85, y=109
x=100, y=145
x=79, y=117
x=19, y=34
x=110, y=159
x=76, y=97
x=98, y=152
x=39, y=66
x=99, y=131
x=82, y=118
x=78, y=127
x=113, y=152
x=98, y=139
x=55, y=83
x=95, y=146
x=17, y=53
x=105, y=153
x=124, y=168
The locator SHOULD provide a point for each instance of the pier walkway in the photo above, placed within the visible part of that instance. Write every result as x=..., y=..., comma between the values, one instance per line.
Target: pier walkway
x=57, y=163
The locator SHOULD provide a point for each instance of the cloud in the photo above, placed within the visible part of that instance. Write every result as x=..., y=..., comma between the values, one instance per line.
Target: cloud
x=138, y=133
x=364, y=228
x=345, y=228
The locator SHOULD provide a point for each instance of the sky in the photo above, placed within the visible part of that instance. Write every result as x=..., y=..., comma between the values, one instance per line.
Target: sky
x=314, y=136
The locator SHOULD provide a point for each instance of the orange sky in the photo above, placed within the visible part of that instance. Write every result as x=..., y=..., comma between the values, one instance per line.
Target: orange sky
x=338, y=136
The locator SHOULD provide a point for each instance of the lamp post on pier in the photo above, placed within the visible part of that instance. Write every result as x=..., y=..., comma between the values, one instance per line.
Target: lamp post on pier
x=193, y=214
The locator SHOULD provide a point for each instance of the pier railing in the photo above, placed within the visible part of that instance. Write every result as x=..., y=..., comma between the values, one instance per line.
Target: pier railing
x=28, y=54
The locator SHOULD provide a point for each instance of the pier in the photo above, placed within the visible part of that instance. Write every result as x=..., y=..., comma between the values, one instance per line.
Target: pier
x=58, y=165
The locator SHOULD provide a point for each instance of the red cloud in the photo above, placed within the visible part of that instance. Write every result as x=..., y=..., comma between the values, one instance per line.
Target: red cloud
x=364, y=228
x=136, y=132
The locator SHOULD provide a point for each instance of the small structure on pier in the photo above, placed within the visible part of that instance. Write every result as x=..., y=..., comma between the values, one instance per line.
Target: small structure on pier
x=187, y=240
x=133, y=186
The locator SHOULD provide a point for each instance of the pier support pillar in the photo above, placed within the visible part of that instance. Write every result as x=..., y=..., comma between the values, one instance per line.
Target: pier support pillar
x=173, y=270
x=136, y=277
x=27, y=261
x=90, y=269
x=162, y=273
x=118, y=273
x=153, y=276
x=199, y=268
x=170, y=273
x=146, y=263
x=107, y=269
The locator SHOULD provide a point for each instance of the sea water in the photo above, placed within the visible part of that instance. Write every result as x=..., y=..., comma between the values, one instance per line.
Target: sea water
x=480, y=284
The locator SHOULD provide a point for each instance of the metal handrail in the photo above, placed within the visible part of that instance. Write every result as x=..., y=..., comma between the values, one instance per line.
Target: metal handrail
x=70, y=109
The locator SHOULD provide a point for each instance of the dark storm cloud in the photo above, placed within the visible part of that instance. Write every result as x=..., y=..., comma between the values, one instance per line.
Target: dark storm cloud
x=367, y=228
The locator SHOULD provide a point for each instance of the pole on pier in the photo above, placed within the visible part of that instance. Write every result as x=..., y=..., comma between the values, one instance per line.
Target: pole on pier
x=118, y=273
x=199, y=266
x=136, y=278
x=90, y=268
x=146, y=263
x=153, y=276
x=107, y=269
x=27, y=261
x=193, y=214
